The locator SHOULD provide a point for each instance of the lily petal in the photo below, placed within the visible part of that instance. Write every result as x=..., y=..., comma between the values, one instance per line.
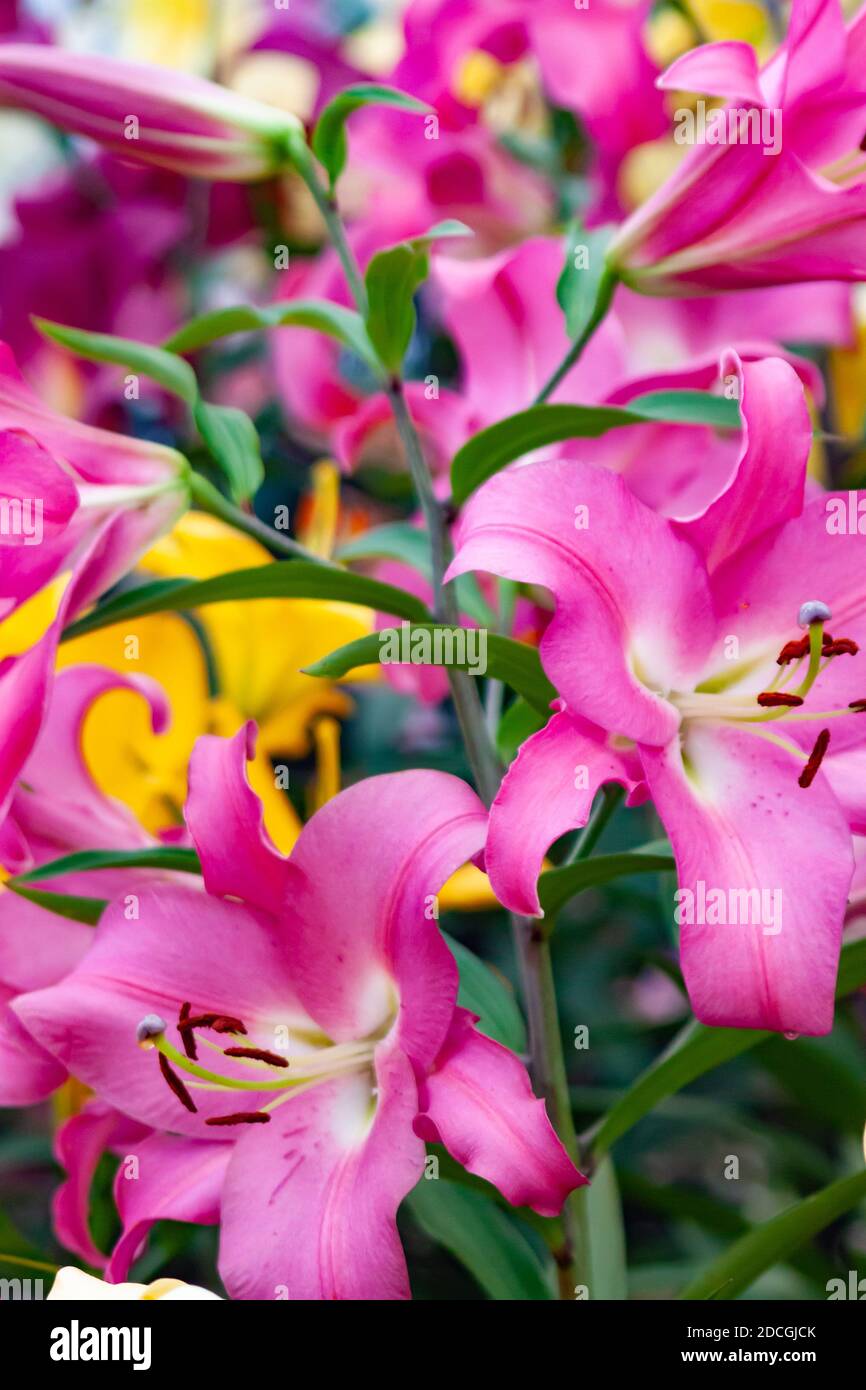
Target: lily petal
x=222, y=809
x=310, y=1201
x=174, y=1180
x=370, y=864
x=478, y=1102
x=564, y=525
x=743, y=830
x=547, y=790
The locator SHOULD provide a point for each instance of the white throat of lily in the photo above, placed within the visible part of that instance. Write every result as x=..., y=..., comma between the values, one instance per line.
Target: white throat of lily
x=316, y=1060
x=784, y=697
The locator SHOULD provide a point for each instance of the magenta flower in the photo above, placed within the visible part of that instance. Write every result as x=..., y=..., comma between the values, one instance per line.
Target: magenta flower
x=149, y=114
x=79, y=501
x=782, y=197
x=307, y=1011
x=68, y=485
x=676, y=650
x=57, y=809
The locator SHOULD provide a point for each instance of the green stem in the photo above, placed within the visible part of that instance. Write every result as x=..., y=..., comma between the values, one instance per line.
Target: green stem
x=28, y=1264
x=551, y=1079
x=325, y=202
x=464, y=689
x=586, y=842
x=210, y=499
x=607, y=286
x=548, y=1062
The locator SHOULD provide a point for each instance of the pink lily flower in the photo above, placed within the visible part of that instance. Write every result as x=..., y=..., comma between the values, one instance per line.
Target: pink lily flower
x=676, y=651
x=784, y=207
x=70, y=484
x=510, y=332
x=78, y=500
x=57, y=809
x=149, y=114
x=476, y=60
x=337, y=996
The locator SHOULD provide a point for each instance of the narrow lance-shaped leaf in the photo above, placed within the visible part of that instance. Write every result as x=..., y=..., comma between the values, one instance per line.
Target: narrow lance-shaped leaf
x=175, y=857
x=392, y=277
x=329, y=137
x=696, y=1050
x=484, y=994
x=399, y=540
x=578, y=286
x=284, y=579
x=229, y=435
x=515, y=663
x=764, y=1246
x=490, y=450
x=334, y=320
x=557, y=886
x=481, y=1236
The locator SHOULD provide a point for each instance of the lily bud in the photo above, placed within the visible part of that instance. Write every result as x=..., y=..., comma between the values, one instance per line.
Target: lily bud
x=149, y=114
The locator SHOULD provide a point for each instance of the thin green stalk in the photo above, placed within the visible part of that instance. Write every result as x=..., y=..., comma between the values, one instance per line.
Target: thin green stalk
x=210, y=499
x=548, y=1062
x=305, y=165
x=606, y=290
x=589, y=837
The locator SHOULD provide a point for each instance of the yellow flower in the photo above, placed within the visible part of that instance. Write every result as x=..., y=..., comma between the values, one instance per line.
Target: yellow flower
x=244, y=662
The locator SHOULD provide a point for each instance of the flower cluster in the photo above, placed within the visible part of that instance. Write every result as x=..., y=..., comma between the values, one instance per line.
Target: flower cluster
x=412, y=457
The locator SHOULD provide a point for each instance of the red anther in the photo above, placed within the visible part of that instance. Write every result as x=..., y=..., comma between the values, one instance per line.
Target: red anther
x=260, y=1054
x=858, y=706
x=226, y=1024
x=793, y=651
x=187, y=1036
x=243, y=1117
x=807, y=776
x=176, y=1084
x=221, y=1023
x=772, y=698
x=843, y=646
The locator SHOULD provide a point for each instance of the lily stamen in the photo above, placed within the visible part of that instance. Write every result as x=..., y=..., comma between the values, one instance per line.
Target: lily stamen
x=807, y=776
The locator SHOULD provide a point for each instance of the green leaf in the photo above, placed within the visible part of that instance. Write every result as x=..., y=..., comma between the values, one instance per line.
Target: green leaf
x=400, y=540
x=515, y=663
x=392, y=278
x=696, y=1050
x=345, y=325
x=481, y=1237
x=490, y=450
x=578, y=286
x=486, y=994
x=557, y=886
x=168, y=371
x=688, y=408
x=329, y=136
x=606, y=1256
x=283, y=579
x=517, y=724
x=175, y=857
x=232, y=438
x=774, y=1241
x=77, y=909
x=229, y=434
